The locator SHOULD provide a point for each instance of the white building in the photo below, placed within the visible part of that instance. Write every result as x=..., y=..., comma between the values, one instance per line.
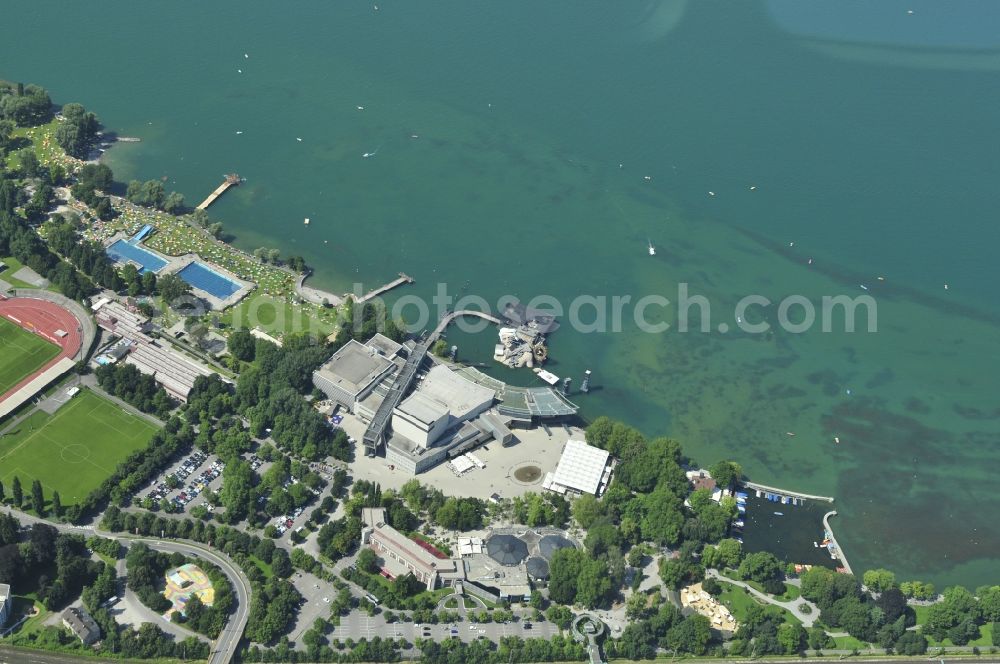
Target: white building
x=582, y=469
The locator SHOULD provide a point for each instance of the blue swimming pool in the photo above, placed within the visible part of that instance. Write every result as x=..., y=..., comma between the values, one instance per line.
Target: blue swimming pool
x=204, y=278
x=123, y=252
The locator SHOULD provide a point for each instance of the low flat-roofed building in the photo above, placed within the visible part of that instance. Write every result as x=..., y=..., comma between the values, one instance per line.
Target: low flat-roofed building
x=582, y=469
x=352, y=373
x=78, y=621
x=502, y=581
x=384, y=345
x=402, y=555
x=5, y=603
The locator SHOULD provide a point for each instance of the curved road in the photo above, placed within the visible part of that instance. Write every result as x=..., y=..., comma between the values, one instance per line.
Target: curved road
x=228, y=641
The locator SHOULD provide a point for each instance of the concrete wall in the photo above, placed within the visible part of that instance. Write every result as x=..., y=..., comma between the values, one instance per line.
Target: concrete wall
x=419, y=432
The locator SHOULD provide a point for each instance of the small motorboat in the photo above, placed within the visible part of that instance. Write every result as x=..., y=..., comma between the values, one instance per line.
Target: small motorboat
x=652, y=249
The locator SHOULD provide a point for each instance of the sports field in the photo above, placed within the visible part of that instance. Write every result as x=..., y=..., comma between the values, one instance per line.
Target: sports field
x=21, y=354
x=73, y=451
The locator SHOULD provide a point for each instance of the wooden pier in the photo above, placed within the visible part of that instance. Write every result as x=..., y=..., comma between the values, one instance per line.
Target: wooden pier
x=231, y=180
x=785, y=492
x=402, y=279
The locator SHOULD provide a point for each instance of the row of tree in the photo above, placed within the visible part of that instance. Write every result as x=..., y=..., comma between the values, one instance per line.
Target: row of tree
x=151, y=193
x=126, y=382
x=19, y=240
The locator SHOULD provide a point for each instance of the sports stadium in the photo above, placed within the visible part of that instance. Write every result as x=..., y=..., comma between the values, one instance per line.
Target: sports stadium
x=40, y=340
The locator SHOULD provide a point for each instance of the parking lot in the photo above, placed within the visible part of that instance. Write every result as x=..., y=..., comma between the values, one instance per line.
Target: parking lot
x=193, y=475
x=359, y=624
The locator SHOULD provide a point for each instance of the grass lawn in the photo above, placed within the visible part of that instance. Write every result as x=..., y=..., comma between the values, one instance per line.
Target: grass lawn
x=849, y=643
x=262, y=566
x=13, y=265
x=738, y=601
x=21, y=353
x=791, y=593
x=985, y=638
x=73, y=451
x=42, y=140
x=277, y=317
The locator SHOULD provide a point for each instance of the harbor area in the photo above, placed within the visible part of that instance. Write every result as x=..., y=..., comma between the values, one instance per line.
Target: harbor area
x=792, y=532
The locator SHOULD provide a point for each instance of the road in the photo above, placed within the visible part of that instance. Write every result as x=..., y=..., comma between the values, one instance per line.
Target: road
x=226, y=645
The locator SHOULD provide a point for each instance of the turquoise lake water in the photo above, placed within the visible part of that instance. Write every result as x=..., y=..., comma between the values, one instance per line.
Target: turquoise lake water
x=843, y=141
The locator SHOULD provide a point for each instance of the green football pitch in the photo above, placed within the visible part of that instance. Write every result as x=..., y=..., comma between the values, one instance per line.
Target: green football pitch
x=73, y=451
x=21, y=354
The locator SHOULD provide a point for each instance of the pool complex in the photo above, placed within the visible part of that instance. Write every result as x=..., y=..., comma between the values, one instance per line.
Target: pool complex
x=204, y=278
x=125, y=252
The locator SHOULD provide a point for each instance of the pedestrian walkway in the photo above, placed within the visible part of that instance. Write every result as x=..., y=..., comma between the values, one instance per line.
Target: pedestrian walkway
x=807, y=619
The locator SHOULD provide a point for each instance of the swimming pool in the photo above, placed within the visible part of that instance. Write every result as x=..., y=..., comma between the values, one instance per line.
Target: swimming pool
x=204, y=278
x=124, y=252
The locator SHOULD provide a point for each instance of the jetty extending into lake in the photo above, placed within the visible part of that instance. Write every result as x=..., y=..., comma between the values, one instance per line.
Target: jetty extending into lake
x=836, y=549
x=785, y=492
x=231, y=180
x=399, y=281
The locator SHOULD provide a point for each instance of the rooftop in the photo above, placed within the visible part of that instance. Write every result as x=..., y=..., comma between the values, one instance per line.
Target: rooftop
x=581, y=467
x=423, y=408
x=402, y=545
x=354, y=367
x=461, y=394
x=384, y=345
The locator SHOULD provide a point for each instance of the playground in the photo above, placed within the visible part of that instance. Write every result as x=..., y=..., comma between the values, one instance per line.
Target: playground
x=185, y=582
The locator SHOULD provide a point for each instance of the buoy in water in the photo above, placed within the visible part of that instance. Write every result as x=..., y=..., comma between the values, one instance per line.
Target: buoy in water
x=306, y=222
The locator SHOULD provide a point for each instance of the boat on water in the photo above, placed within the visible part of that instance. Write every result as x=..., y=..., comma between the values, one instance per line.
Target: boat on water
x=652, y=249
x=779, y=514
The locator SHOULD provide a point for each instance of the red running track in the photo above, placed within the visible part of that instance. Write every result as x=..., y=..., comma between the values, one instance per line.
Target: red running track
x=43, y=318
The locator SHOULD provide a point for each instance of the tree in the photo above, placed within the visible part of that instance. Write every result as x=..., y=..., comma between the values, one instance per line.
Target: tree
x=989, y=603
x=760, y=566
x=664, y=516
x=879, y=580
x=173, y=203
x=892, y=604
x=242, y=345
x=911, y=643
x=16, y=492
x=586, y=509
x=37, y=498
x=172, y=288
x=792, y=637
x=690, y=635
x=564, y=570
x=726, y=473
x=367, y=561
x=30, y=165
